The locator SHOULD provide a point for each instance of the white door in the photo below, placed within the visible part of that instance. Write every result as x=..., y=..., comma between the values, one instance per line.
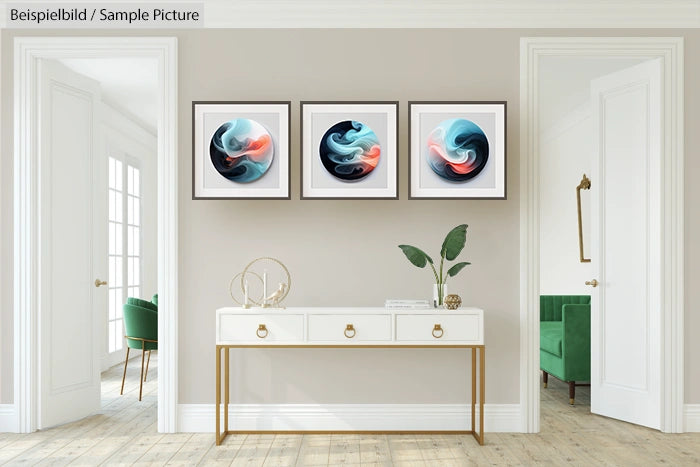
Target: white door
x=625, y=245
x=72, y=203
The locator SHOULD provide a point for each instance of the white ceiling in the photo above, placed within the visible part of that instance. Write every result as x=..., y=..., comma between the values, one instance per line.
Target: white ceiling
x=128, y=84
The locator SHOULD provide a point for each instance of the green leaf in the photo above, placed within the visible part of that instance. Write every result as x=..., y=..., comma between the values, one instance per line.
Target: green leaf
x=456, y=268
x=416, y=256
x=454, y=242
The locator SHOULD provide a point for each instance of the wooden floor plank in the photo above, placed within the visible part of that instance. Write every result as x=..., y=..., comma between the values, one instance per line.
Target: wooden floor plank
x=254, y=451
x=314, y=450
x=162, y=451
x=374, y=450
x=404, y=449
x=193, y=450
x=284, y=451
x=344, y=450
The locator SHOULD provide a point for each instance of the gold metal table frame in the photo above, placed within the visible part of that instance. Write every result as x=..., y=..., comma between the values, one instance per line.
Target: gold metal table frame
x=478, y=434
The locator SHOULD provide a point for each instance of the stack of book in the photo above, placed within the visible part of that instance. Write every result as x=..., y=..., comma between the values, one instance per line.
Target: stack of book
x=407, y=304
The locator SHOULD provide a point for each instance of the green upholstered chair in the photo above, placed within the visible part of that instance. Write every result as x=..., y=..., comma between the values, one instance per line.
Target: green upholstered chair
x=142, y=303
x=155, y=299
x=565, y=339
x=141, y=325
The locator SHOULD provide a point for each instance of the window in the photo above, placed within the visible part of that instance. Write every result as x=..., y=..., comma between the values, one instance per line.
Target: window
x=124, y=244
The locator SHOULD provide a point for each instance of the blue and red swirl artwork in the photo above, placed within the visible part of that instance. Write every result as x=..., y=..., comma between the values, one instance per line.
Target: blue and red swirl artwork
x=350, y=150
x=457, y=150
x=241, y=150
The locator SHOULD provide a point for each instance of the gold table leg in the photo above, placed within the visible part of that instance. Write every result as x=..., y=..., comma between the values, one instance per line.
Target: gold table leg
x=226, y=389
x=218, y=395
x=482, y=386
x=473, y=352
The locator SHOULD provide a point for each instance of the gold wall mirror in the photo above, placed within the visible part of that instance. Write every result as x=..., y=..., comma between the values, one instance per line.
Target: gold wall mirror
x=584, y=185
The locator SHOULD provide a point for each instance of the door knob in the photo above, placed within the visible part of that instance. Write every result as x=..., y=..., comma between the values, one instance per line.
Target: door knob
x=592, y=283
x=99, y=282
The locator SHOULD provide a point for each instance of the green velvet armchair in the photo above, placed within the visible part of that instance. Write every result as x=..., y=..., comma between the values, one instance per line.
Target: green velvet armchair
x=141, y=326
x=565, y=339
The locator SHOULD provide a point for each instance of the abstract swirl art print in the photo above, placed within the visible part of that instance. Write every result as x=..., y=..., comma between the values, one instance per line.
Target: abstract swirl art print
x=350, y=150
x=241, y=150
x=458, y=150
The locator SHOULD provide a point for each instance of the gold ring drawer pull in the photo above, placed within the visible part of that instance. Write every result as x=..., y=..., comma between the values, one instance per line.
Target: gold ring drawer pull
x=348, y=329
x=262, y=331
x=438, y=329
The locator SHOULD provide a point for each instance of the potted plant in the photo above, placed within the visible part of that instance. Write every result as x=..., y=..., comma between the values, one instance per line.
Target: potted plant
x=451, y=248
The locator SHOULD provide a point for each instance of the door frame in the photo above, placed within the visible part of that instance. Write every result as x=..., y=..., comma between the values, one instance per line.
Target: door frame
x=26, y=287
x=670, y=51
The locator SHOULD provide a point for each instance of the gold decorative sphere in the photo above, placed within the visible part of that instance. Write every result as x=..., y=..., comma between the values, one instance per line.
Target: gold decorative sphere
x=452, y=301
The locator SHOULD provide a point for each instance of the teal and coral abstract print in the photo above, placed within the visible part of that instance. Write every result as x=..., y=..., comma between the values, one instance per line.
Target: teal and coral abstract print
x=457, y=150
x=350, y=150
x=241, y=150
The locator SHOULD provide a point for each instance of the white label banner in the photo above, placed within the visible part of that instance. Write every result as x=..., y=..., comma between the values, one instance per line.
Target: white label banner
x=98, y=15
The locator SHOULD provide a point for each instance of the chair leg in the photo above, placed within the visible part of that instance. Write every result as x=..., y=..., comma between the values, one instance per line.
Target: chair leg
x=147, y=362
x=124, y=377
x=545, y=378
x=143, y=354
x=572, y=392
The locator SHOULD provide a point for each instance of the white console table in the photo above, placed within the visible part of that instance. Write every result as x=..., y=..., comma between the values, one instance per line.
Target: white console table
x=324, y=327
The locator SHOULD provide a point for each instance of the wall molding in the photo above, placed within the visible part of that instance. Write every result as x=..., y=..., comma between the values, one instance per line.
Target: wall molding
x=352, y=417
x=670, y=50
x=452, y=14
x=8, y=418
x=27, y=52
x=691, y=417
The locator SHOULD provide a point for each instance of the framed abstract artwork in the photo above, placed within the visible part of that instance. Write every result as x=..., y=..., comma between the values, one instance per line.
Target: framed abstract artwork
x=457, y=150
x=349, y=150
x=240, y=150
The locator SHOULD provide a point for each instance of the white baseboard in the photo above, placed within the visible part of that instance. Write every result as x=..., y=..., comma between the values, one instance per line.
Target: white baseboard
x=8, y=418
x=692, y=418
x=348, y=417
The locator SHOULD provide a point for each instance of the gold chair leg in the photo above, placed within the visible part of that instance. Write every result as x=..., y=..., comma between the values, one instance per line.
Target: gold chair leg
x=147, y=362
x=124, y=377
x=143, y=354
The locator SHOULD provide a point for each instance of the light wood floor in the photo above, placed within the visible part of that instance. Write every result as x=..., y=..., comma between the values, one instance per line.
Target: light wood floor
x=125, y=433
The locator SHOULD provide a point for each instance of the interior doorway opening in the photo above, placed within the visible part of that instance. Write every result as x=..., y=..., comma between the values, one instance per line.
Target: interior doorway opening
x=33, y=55
x=661, y=70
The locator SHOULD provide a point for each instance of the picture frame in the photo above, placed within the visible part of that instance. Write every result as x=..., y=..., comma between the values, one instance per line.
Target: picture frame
x=241, y=150
x=457, y=150
x=349, y=150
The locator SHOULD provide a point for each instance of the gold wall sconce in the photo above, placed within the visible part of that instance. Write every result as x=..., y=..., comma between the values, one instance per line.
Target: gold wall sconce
x=584, y=185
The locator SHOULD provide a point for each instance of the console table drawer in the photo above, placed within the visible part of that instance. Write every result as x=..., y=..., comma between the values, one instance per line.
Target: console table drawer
x=349, y=328
x=261, y=328
x=439, y=328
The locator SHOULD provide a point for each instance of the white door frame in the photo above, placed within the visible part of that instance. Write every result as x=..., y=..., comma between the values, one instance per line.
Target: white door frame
x=27, y=307
x=670, y=51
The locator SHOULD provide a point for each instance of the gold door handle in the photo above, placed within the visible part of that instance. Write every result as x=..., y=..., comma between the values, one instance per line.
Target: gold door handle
x=592, y=283
x=437, y=329
x=348, y=329
x=261, y=328
x=99, y=282
x=584, y=185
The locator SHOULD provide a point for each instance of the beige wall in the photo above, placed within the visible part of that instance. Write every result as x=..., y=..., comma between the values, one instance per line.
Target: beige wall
x=344, y=252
